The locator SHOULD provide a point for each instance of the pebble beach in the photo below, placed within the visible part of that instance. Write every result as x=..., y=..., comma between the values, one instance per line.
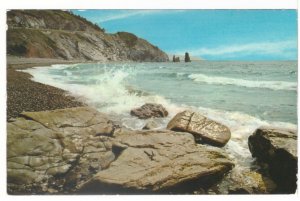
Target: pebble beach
x=23, y=94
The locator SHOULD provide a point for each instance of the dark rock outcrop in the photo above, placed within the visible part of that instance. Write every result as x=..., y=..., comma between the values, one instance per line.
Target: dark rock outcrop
x=79, y=150
x=187, y=57
x=63, y=35
x=278, y=149
x=203, y=129
x=149, y=110
x=176, y=59
x=160, y=161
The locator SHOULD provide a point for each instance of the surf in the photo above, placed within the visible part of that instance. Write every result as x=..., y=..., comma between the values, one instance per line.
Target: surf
x=218, y=80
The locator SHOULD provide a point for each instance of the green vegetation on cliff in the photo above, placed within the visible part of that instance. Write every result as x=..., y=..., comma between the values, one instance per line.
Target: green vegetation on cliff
x=61, y=34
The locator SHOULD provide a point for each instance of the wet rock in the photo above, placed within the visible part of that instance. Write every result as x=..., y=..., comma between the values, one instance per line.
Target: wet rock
x=159, y=161
x=244, y=182
x=278, y=149
x=149, y=110
x=150, y=125
x=56, y=150
x=203, y=129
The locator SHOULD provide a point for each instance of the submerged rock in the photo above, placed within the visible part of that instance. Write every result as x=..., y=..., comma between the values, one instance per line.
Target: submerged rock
x=203, y=129
x=53, y=151
x=159, y=161
x=149, y=110
x=150, y=125
x=278, y=149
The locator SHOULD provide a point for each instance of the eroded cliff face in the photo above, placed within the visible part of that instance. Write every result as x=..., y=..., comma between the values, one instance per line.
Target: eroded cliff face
x=61, y=34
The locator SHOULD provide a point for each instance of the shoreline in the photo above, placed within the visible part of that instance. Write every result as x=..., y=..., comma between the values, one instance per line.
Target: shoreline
x=24, y=94
x=14, y=62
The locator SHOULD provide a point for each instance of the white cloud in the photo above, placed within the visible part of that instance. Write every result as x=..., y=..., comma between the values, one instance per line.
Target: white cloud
x=130, y=13
x=265, y=48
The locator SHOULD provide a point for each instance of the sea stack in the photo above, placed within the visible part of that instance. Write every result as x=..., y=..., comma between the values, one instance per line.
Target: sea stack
x=187, y=57
x=176, y=59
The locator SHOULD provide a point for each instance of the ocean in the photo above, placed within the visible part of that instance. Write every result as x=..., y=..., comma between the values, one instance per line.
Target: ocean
x=240, y=95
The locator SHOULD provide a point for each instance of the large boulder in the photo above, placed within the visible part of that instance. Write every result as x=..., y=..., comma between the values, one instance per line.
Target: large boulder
x=159, y=162
x=204, y=130
x=149, y=110
x=278, y=149
x=54, y=151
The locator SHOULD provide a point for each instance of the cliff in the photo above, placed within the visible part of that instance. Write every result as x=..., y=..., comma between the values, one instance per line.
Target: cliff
x=63, y=35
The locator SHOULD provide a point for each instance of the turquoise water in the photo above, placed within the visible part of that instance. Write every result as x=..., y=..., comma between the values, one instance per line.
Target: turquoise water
x=266, y=90
x=241, y=95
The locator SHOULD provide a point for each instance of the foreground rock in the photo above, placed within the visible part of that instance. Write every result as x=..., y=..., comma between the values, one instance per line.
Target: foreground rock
x=53, y=151
x=243, y=182
x=160, y=161
x=278, y=149
x=79, y=150
x=203, y=129
x=149, y=110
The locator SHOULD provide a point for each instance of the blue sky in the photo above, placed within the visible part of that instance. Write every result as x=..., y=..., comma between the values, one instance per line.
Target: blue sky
x=210, y=34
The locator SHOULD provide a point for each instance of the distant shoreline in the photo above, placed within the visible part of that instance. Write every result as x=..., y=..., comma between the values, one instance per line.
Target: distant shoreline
x=23, y=63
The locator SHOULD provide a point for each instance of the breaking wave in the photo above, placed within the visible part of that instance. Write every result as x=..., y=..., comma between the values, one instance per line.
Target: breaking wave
x=274, y=85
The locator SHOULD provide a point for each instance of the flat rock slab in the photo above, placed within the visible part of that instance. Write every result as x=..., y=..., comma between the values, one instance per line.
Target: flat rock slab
x=204, y=130
x=53, y=151
x=277, y=148
x=159, y=161
x=149, y=110
x=79, y=150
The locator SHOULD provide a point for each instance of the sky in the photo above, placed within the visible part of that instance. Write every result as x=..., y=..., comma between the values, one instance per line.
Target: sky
x=209, y=34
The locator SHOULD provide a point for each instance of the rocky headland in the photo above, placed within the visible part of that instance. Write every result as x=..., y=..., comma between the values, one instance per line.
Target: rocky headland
x=58, y=34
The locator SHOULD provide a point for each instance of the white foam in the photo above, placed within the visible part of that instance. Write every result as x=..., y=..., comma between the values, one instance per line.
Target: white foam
x=274, y=85
x=109, y=94
x=241, y=126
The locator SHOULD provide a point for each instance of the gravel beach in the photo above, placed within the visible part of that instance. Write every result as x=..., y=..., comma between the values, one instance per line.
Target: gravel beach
x=23, y=94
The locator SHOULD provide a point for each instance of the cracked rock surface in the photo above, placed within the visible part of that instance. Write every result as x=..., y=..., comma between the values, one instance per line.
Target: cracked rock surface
x=53, y=151
x=79, y=150
x=204, y=130
x=160, y=161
